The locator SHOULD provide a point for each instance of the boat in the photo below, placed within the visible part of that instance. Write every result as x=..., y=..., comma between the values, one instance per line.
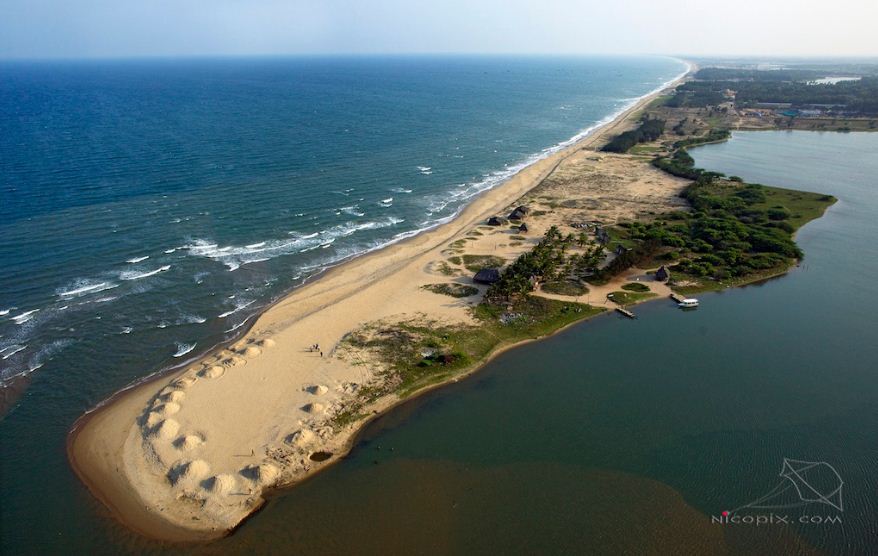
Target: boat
x=687, y=303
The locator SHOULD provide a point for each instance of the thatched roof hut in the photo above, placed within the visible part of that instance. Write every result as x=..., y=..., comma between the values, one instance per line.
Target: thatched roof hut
x=487, y=276
x=522, y=228
x=496, y=221
x=519, y=213
x=662, y=274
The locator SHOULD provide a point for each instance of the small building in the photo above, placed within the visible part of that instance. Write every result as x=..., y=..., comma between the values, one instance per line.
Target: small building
x=487, y=276
x=522, y=228
x=519, y=213
x=662, y=274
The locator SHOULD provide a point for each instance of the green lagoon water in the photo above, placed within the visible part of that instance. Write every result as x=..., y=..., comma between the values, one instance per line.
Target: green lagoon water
x=624, y=437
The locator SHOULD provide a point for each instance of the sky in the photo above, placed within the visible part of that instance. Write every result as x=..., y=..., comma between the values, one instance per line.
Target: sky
x=133, y=28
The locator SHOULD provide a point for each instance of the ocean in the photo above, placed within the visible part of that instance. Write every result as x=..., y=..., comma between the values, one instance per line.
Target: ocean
x=150, y=208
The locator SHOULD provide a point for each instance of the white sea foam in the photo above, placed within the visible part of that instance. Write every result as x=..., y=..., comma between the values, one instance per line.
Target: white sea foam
x=353, y=210
x=126, y=330
x=425, y=170
x=9, y=351
x=24, y=317
x=137, y=275
x=238, y=307
x=82, y=287
x=137, y=259
x=183, y=349
x=401, y=190
x=171, y=250
x=5, y=312
x=234, y=256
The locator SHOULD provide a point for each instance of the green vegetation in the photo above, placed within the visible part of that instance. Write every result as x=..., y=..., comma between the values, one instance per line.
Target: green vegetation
x=415, y=354
x=455, y=260
x=635, y=287
x=454, y=290
x=627, y=298
x=546, y=262
x=475, y=263
x=649, y=130
x=565, y=287
x=791, y=86
x=446, y=270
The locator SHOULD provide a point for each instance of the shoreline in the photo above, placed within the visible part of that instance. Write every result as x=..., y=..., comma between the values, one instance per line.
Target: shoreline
x=95, y=441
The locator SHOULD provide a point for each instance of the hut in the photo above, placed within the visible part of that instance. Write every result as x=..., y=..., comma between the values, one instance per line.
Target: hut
x=662, y=274
x=487, y=276
x=496, y=221
x=519, y=213
x=522, y=228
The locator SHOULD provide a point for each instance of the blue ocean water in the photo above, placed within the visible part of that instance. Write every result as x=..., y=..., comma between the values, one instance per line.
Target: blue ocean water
x=149, y=208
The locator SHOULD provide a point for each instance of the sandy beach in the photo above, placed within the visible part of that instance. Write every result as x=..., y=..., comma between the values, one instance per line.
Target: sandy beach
x=190, y=454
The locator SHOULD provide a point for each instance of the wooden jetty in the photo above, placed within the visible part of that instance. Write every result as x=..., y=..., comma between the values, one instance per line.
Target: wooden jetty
x=626, y=312
x=677, y=298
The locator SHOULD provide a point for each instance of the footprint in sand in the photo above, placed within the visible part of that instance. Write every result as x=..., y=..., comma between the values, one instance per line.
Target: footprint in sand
x=172, y=395
x=166, y=409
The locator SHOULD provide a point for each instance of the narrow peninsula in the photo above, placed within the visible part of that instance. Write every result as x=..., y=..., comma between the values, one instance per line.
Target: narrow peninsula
x=618, y=218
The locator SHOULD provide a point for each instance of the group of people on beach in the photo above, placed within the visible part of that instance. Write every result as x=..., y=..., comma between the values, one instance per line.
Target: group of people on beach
x=315, y=347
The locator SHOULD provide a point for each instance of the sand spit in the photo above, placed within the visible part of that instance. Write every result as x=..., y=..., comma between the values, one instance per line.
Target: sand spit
x=190, y=454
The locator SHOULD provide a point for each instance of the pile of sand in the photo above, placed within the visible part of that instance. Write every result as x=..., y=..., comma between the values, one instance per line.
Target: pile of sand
x=234, y=362
x=184, y=382
x=175, y=396
x=167, y=409
x=252, y=351
x=214, y=371
x=222, y=483
x=268, y=343
x=167, y=429
x=318, y=389
x=313, y=408
x=301, y=437
x=263, y=474
x=188, y=471
x=189, y=442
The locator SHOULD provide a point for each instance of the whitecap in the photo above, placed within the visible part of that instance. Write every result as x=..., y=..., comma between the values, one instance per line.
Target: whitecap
x=4, y=312
x=137, y=259
x=9, y=351
x=238, y=307
x=401, y=190
x=134, y=275
x=126, y=330
x=171, y=250
x=24, y=317
x=82, y=287
x=183, y=349
x=352, y=210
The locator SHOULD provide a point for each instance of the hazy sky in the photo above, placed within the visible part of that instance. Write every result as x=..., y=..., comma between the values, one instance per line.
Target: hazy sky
x=85, y=28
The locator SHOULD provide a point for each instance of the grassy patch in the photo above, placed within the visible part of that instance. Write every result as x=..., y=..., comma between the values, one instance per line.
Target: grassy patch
x=455, y=260
x=454, y=290
x=445, y=270
x=627, y=298
x=475, y=263
x=565, y=287
x=417, y=354
x=635, y=287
